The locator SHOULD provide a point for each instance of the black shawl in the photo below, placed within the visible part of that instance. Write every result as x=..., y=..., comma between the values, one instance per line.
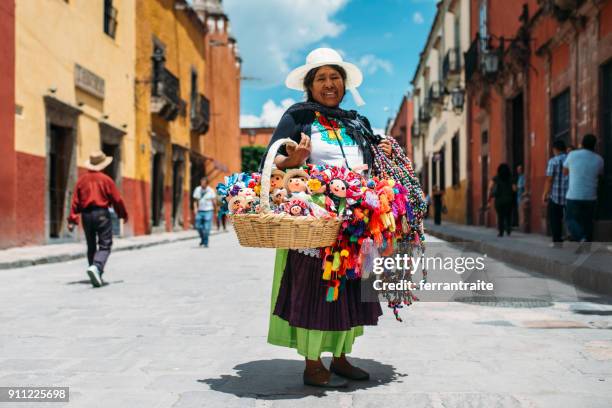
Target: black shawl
x=299, y=118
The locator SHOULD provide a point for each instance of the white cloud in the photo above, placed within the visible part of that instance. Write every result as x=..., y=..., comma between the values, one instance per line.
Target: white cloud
x=270, y=33
x=378, y=131
x=417, y=18
x=371, y=63
x=270, y=114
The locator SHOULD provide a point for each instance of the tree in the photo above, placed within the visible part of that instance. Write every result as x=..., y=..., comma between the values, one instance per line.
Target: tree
x=251, y=157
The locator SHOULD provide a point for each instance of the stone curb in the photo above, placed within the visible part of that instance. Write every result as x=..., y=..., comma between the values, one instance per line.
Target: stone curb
x=593, y=279
x=22, y=263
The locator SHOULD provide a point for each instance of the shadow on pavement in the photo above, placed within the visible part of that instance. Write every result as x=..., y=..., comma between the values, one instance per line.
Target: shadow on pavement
x=282, y=379
x=88, y=282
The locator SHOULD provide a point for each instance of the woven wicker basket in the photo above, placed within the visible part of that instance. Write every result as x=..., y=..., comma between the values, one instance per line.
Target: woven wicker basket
x=270, y=230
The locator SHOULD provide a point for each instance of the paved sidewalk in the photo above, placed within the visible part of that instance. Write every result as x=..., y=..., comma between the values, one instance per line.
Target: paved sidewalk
x=20, y=257
x=590, y=269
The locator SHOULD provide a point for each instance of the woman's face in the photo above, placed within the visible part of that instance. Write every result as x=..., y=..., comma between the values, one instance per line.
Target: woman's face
x=328, y=87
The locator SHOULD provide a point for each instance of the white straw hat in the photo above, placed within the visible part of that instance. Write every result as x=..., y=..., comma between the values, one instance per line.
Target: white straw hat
x=327, y=56
x=98, y=161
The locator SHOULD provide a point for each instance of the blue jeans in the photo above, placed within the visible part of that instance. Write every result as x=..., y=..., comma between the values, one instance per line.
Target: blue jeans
x=579, y=216
x=203, y=225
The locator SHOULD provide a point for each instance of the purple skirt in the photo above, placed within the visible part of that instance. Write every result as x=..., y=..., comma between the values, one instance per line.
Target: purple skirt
x=301, y=299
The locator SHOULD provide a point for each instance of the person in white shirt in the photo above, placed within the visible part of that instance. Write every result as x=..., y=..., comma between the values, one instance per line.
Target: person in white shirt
x=204, y=207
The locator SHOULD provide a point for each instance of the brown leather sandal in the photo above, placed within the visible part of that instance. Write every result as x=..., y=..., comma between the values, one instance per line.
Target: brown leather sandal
x=354, y=373
x=333, y=382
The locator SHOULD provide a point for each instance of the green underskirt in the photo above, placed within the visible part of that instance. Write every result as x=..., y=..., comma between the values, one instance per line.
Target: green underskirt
x=308, y=343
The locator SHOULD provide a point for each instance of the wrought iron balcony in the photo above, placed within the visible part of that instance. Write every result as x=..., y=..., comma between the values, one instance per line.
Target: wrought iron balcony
x=165, y=96
x=435, y=93
x=483, y=62
x=471, y=59
x=560, y=9
x=451, y=66
x=425, y=112
x=200, y=114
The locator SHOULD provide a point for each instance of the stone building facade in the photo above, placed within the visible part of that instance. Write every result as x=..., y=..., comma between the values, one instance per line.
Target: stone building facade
x=439, y=134
x=538, y=71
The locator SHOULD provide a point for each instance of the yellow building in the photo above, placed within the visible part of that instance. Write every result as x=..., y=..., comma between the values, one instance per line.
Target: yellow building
x=172, y=113
x=74, y=93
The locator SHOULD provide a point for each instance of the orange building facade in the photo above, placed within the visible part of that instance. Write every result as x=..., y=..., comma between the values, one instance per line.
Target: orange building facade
x=255, y=136
x=223, y=69
x=537, y=71
x=401, y=126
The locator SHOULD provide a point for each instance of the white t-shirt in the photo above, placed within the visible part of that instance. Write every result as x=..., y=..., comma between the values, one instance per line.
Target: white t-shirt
x=325, y=146
x=206, y=198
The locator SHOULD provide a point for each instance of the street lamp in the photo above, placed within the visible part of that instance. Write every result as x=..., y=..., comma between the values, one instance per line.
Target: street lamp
x=490, y=62
x=458, y=99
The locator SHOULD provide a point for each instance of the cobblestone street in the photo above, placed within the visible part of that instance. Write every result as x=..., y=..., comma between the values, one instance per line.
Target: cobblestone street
x=182, y=326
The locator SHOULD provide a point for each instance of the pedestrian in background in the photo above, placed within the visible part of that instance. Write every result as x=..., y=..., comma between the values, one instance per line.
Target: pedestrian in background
x=438, y=204
x=93, y=194
x=555, y=190
x=204, y=208
x=502, y=191
x=520, y=185
x=584, y=168
x=222, y=214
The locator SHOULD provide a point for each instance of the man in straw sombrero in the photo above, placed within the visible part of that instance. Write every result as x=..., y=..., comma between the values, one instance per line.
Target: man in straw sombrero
x=93, y=194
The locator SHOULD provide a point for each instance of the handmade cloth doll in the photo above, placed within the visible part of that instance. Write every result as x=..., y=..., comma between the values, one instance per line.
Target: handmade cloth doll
x=276, y=179
x=337, y=191
x=318, y=186
x=296, y=207
x=295, y=183
x=238, y=205
x=279, y=196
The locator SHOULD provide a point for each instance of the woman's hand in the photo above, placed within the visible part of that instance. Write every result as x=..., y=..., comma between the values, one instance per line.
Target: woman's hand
x=385, y=146
x=298, y=154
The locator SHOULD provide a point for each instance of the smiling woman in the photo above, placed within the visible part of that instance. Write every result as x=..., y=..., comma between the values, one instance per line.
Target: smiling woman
x=301, y=317
x=327, y=83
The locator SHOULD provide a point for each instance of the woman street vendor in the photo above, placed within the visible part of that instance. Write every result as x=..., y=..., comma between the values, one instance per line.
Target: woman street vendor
x=301, y=318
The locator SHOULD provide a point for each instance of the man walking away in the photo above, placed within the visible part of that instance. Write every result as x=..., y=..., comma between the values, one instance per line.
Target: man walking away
x=204, y=207
x=555, y=190
x=93, y=194
x=584, y=168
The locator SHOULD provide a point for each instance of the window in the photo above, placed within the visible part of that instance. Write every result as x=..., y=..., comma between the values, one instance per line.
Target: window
x=485, y=137
x=560, y=117
x=159, y=59
x=193, y=99
x=434, y=171
x=442, y=170
x=457, y=29
x=482, y=23
x=455, y=159
x=110, y=18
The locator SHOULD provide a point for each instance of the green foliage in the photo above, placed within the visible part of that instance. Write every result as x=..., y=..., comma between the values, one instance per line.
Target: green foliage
x=251, y=157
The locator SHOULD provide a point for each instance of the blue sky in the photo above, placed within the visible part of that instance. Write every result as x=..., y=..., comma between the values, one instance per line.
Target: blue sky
x=383, y=37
